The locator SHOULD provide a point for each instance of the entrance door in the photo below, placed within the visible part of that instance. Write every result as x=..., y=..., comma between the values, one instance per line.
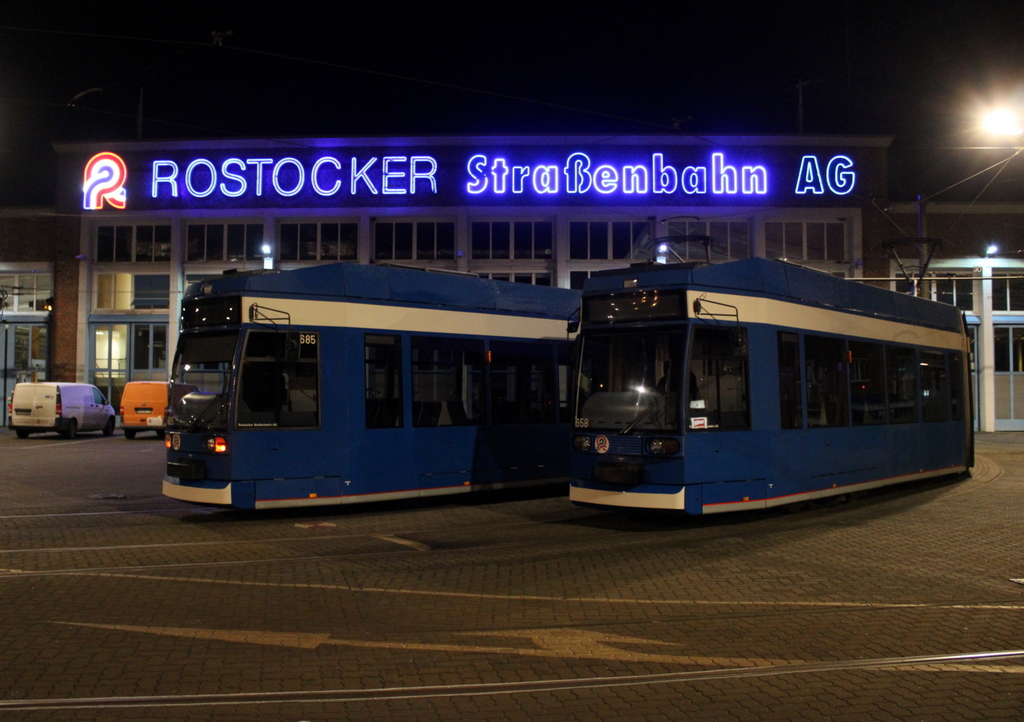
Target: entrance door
x=1009, y=377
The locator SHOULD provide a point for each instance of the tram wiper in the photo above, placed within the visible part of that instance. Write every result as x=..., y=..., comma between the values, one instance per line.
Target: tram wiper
x=204, y=413
x=645, y=415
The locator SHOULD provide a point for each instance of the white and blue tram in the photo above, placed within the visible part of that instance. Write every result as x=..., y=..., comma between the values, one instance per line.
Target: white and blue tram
x=756, y=383
x=350, y=383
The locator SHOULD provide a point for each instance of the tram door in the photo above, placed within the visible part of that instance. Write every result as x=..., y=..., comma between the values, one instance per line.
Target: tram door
x=1009, y=377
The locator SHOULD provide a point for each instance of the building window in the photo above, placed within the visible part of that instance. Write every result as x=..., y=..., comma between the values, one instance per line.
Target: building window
x=125, y=291
x=127, y=244
x=805, y=240
x=957, y=292
x=537, y=279
x=25, y=291
x=149, y=352
x=110, y=360
x=601, y=240
x=577, y=279
x=1007, y=292
x=318, y=241
x=512, y=239
x=730, y=240
x=413, y=240
x=224, y=242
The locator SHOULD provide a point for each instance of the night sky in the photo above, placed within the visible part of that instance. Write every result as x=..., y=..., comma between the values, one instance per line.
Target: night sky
x=916, y=71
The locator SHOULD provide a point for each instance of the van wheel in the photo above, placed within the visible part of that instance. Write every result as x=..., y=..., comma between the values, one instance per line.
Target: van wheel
x=108, y=430
x=129, y=434
x=22, y=433
x=72, y=430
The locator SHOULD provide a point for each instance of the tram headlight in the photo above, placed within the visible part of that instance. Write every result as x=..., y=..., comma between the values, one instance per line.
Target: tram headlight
x=581, y=443
x=663, y=447
x=215, y=444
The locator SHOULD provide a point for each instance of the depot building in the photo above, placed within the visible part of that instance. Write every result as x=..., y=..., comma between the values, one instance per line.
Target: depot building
x=96, y=282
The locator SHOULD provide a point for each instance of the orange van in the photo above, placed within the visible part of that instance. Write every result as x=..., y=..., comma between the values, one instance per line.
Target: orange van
x=143, y=404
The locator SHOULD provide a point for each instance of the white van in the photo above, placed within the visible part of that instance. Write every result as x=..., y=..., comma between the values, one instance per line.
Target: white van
x=64, y=408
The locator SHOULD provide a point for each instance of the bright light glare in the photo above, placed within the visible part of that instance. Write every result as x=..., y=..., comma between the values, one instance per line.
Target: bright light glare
x=1002, y=122
x=991, y=250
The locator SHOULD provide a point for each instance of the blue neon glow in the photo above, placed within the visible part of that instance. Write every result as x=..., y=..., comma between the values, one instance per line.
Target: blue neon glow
x=840, y=176
x=314, y=176
x=392, y=175
x=362, y=173
x=233, y=177
x=211, y=181
x=300, y=175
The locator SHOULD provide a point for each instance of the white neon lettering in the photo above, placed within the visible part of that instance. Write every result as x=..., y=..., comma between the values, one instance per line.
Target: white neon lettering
x=665, y=176
x=200, y=163
x=635, y=179
x=499, y=172
x=389, y=174
x=755, y=180
x=314, y=176
x=362, y=174
x=808, y=178
x=277, y=177
x=545, y=179
x=840, y=176
x=694, y=180
x=259, y=163
x=723, y=177
x=519, y=175
x=477, y=173
x=170, y=179
x=606, y=179
x=240, y=180
x=429, y=175
x=577, y=173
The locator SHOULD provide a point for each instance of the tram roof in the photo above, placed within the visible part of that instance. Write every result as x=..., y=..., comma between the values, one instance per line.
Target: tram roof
x=389, y=284
x=778, y=279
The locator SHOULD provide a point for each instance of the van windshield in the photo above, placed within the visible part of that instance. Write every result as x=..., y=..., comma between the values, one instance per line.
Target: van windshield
x=200, y=381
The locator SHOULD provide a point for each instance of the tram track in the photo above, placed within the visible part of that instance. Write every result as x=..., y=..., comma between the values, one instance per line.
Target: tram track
x=979, y=662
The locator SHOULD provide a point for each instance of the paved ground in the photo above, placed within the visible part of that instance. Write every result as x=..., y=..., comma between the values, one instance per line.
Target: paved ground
x=119, y=604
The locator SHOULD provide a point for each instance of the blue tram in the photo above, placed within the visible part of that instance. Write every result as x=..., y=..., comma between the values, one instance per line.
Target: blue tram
x=757, y=383
x=350, y=383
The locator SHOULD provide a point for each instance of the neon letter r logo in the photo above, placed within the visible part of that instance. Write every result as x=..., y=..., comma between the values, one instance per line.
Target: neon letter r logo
x=105, y=176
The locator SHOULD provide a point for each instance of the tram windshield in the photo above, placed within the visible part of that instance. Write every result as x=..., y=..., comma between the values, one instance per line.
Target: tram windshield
x=200, y=381
x=630, y=382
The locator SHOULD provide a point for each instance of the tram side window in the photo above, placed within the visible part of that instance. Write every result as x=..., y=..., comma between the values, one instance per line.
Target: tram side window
x=522, y=383
x=826, y=381
x=901, y=372
x=956, y=386
x=447, y=381
x=791, y=403
x=867, y=383
x=279, y=383
x=718, y=379
x=934, y=387
x=383, y=364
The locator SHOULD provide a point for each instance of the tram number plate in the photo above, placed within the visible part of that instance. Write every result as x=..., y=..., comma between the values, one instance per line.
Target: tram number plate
x=582, y=423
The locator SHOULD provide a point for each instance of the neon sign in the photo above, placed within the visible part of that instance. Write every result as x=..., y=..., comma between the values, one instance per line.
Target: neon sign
x=582, y=175
x=105, y=177
x=288, y=177
x=461, y=174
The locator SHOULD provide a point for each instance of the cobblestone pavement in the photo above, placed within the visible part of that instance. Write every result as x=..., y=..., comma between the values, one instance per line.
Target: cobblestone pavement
x=119, y=604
